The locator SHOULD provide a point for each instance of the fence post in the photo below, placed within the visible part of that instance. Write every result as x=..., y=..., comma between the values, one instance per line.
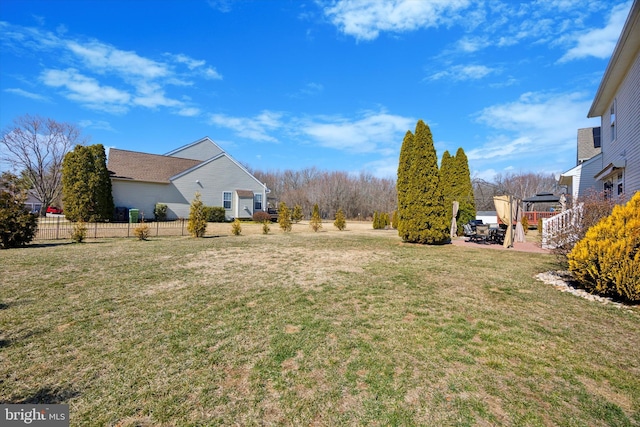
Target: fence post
x=57, y=228
x=157, y=228
x=182, y=226
x=95, y=230
x=128, y=227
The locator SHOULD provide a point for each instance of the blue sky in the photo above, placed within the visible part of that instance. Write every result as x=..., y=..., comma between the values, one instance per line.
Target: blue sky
x=333, y=84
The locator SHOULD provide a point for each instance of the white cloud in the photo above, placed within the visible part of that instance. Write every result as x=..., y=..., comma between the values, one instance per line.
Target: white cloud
x=103, y=57
x=365, y=19
x=96, y=124
x=464, y=72
x=87, y=91
x=374, y=132
x=599, y=42
x=255, y=128
x=26, y=94
x=310, y=89
x=535, y=124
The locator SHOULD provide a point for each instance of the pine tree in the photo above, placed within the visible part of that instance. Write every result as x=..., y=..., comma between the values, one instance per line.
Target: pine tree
x=340, y=223
x=448, y=181
x=297, y=214
x=316, y=221
x=17, y=225
x=403, y=185
x=464, y=190
x=284, y=217
x=197, y=224
x=425, y=216
x=86, y=185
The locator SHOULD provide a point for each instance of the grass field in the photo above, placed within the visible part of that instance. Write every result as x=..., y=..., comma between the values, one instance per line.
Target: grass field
x=328, y=328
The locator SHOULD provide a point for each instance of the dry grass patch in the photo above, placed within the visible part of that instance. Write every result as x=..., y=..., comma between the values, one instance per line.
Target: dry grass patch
x=328, y=328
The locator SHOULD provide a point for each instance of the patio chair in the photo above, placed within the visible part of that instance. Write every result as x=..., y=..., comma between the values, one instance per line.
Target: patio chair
x=482, y=233
x=469, y=232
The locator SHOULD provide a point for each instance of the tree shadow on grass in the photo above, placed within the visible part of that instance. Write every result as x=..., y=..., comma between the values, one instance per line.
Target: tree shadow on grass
x=43, y=395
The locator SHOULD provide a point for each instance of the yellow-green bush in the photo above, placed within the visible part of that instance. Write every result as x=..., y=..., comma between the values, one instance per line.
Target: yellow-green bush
x=607, y=260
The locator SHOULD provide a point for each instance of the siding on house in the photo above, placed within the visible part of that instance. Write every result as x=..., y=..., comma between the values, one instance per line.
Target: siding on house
x=202, y=149
x=581, y=179
x=620, y=87
x=215, y=177
x=144, y=196
x=624, y=151
x=141, y=180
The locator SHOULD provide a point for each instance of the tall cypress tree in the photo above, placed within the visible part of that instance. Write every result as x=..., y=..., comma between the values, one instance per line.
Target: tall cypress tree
x=464, y=189
x=424, y=219
x=86, y=185
x=403, y=184
x=448, y=181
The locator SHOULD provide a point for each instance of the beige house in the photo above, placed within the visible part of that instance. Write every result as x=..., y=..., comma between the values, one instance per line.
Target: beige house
x=617, y=103
x=141, y=180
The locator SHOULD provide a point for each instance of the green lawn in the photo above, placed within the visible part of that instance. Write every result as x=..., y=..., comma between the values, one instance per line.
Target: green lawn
x=328, y=328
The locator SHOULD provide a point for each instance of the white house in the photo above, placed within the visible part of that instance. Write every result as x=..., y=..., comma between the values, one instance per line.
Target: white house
x=580, y=179
x=141, y=180
x=617, y=103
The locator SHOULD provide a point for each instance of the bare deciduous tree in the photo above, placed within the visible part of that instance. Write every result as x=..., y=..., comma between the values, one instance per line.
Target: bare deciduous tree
x=35, y=146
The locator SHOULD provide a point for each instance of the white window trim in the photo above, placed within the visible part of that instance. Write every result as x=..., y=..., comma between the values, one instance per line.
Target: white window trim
x=230, y=193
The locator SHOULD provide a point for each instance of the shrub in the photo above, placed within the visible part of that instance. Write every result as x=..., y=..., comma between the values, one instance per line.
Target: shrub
x=17, y=226
x=316, y=221
x=160, y=212
x=607, y=260
x=266, y=227
x=340, y=223
x=589, y=211
x=236, y=228
x=261, y=216
x=297, y=214
x=284, y=217
x=141, y=231
x=197, y=224
x=79, y=232
x=525, y=224
x=214, y=213
x=394, y=220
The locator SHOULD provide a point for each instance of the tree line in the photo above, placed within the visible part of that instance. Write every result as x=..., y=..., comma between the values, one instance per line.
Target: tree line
x=359, y=195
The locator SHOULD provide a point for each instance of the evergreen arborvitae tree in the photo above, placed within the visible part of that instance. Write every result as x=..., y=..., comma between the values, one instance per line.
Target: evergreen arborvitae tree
x=340, y=223
x=464, y=190
x=394, y=220
x=448, y=182
x=375, y=220
x=297, y=214
x=426, y=219
x=197, y=224
x=316, y=220
x=17, y=225
x=86, y=186
x=284, y=217
x=403, y=185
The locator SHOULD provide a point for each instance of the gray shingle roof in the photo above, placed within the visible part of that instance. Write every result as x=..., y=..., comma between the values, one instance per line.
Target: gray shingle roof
x=137, y=166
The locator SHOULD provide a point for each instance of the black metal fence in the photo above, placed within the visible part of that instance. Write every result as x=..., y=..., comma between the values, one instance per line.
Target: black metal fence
x=56, y=228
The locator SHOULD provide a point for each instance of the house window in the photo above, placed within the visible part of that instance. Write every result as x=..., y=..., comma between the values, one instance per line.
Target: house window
x=226, y=199
x=257, y=202
x=612, y=120
x=620, y=184
x=596, y=138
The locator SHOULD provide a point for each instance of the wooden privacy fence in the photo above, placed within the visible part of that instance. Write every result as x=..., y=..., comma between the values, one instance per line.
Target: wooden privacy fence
x=56, y=228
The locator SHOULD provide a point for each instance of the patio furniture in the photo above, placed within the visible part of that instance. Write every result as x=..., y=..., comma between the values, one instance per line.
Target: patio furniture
x=469, y=232
x=482, y=233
